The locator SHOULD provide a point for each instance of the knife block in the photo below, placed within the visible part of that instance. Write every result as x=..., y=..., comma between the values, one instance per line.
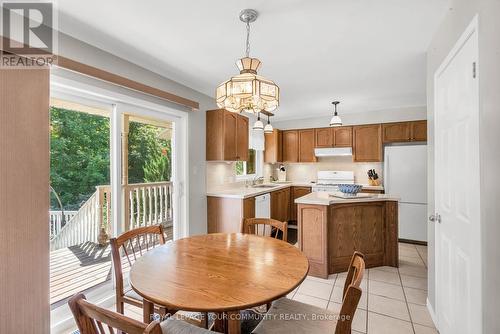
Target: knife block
x=374, y=182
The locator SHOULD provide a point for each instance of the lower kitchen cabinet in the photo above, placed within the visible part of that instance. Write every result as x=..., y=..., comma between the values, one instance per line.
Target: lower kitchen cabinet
x=280, y=204
x=225, y=215
x=297, y=192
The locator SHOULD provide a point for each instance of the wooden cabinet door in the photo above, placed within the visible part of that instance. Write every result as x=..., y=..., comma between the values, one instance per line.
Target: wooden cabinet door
x=342, y=136
x=273, y=147
x=367, y=143
x=242, y=138
x=215, y=135
x=290, y=146
x=419, y=131
x=280, y=204
x=296, y=192
x=396, y=132
x=306, y=146
x=323, y=137
x=230, y=136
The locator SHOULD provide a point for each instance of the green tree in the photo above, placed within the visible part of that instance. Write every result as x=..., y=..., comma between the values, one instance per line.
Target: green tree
x=79, y=155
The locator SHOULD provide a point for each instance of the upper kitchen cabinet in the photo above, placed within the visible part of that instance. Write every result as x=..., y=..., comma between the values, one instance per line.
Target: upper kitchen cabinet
x=404, y=132
x=290, y=146
x=306, y=145
x=342, y=136
x=419, y=131
x=333, y=137
x=324, y=137
x=367, y=143
x=227, y=136
x=273, y=151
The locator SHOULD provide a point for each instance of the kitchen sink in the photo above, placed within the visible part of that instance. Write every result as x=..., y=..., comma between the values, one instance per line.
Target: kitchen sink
x=264, y=186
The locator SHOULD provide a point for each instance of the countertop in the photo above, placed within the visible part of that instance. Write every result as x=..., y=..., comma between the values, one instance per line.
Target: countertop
x=243, y=192
x=324, y=198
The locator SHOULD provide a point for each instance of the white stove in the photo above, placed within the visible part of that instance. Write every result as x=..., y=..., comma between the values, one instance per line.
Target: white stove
x=328, y=180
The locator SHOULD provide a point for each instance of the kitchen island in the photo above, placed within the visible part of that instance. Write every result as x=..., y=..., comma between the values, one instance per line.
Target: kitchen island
x=330, y=229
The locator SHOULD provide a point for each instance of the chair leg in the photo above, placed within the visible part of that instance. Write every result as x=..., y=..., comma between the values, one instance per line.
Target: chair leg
x=120, y=306
x=204, y=320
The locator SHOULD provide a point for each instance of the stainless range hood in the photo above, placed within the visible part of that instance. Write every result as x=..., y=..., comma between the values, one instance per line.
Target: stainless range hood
x=333, y=152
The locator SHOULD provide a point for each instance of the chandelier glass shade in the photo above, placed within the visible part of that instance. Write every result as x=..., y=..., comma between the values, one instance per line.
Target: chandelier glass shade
x=248, y=91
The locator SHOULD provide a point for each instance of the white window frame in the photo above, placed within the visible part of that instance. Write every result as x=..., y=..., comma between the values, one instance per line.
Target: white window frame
x=68, y=86
x=259, y=167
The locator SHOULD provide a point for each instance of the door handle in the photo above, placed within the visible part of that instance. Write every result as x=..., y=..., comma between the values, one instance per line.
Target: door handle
x=435, y=218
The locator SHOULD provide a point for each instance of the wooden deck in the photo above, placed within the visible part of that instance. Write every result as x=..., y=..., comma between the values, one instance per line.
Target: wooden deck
x=79, y=268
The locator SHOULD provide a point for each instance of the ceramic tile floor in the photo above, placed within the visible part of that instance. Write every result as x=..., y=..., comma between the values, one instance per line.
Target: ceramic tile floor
x=393, y=300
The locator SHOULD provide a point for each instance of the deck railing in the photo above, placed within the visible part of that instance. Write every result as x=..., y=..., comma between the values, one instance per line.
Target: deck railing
x=56, y=221
x=146, y=204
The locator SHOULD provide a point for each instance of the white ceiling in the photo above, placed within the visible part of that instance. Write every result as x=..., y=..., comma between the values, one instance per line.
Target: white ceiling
x=369, y=54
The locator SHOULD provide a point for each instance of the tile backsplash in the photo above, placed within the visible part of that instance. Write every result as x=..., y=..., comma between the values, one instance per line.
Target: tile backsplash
x=223, y=173
x=307, y=171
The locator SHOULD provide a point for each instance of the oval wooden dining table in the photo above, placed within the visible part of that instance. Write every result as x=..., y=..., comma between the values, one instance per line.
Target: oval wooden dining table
x=222, y=273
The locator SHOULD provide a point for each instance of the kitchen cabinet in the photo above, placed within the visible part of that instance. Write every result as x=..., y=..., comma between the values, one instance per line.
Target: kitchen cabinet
x=306, y=145
x=367, y=143
x=396, y=132
x=280, y=204
x=342, y=136
x=290, y=146
x=295, y=193
x=226, y=136
x=323, y=137
x=273, y=150
x=401, y=132
x=419, y=131
x=333, y=137
x=224, y=215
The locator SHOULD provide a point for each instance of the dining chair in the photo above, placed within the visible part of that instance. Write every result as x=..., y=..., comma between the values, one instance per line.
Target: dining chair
x=125, y=250
x=265, y=227
x=315, y=320
x=92, y=319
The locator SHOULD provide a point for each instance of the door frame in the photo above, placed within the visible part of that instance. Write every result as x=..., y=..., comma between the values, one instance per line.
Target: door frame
x=117, y=99
x=472, y=31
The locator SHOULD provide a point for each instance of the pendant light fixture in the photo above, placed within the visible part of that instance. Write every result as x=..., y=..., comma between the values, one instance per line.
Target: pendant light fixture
x=335, y=121
x=268, y=128
x=248, y=91
x=258, y=125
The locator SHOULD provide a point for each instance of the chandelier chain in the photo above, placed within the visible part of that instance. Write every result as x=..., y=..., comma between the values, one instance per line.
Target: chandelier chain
x=247, y=46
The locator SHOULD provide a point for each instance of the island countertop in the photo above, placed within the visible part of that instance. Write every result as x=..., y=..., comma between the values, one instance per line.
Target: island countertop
x=325, y=198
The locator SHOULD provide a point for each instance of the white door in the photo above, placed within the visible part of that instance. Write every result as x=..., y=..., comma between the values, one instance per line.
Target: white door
x=458, y=252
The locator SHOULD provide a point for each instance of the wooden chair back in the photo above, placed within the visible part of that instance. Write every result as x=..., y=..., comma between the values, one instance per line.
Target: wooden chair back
x=352, y=293
x=92, y=319
x=263, y=226
x=133, y=244
x=355, y=272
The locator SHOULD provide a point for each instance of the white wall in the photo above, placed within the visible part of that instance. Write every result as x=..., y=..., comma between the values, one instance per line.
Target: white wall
x=366, y=117
x=455, y=23
x=85, y=53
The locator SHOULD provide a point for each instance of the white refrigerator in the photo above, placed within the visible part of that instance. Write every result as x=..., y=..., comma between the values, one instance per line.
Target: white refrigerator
x=405, y=176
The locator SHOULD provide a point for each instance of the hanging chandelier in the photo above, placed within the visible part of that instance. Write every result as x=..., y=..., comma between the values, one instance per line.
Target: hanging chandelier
x=248, y=91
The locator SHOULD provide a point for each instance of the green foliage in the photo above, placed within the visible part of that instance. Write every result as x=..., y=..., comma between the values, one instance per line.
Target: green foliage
x=79, y=155
x=149, y=156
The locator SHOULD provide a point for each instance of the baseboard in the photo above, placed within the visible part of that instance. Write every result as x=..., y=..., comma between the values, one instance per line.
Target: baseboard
x=415, y=242
x=432, y=313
